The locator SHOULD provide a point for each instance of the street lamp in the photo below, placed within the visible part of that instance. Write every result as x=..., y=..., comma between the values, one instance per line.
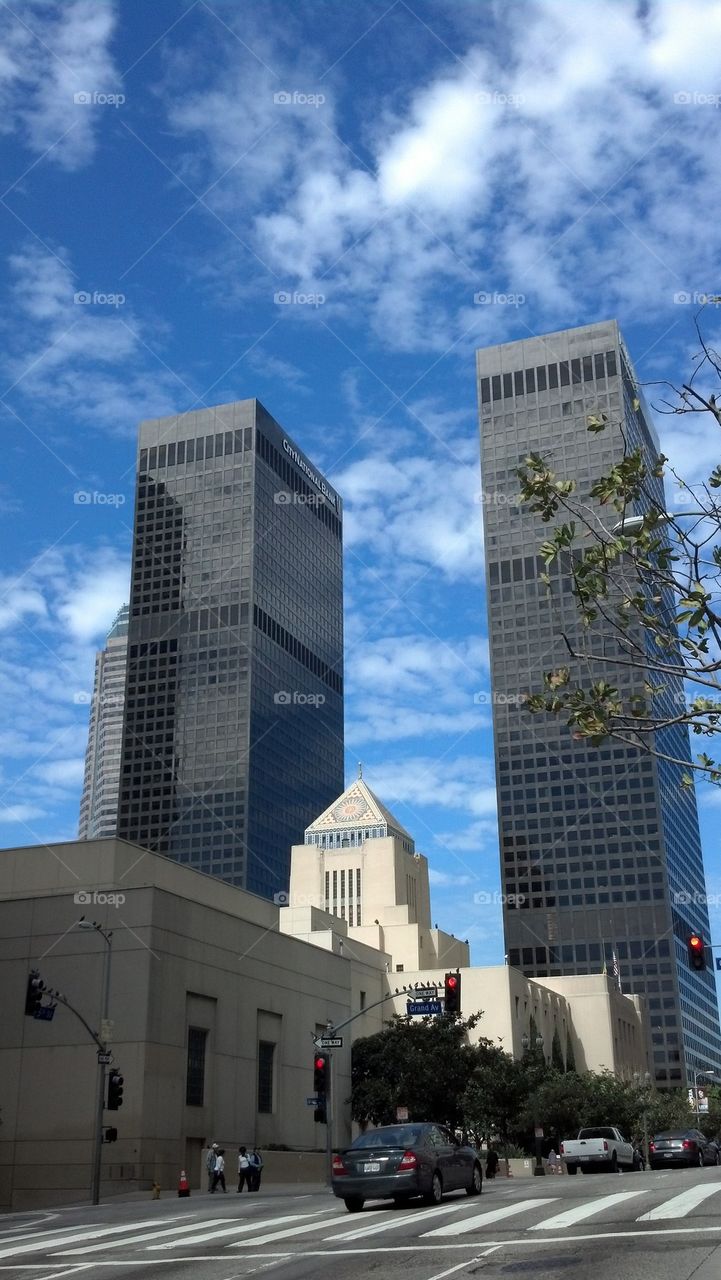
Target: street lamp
x=634, y=524
x=539, y=1170
x=89, y=925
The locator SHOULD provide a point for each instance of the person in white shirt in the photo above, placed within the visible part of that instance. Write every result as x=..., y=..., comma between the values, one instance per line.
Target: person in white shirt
x=219, y=1175
x=244, y=1170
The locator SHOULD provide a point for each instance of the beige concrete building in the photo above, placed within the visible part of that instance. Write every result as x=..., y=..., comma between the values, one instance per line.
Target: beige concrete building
x=215, y=996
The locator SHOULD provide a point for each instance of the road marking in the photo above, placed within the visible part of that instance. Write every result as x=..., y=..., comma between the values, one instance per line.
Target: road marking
x=569, y=1216
x=681, y=1205
x=389, y=1222
x=468, y=1263
x=49, y=1238
x=72, y=1271
x=494, y=1215
x=289, y=1232
x=145, y=1235
x=239, y=1229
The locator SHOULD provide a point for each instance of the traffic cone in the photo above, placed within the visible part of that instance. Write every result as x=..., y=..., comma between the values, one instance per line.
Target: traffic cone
x=183, y=1184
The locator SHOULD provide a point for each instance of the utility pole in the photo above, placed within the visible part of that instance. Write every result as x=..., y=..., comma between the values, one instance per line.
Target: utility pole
x=100, y=1098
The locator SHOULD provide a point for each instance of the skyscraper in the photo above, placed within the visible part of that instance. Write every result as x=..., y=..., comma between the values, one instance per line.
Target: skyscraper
x=600, y=847
x=99, y=803
x=233, y=735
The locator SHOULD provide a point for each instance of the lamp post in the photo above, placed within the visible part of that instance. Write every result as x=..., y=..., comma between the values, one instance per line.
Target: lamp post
x=100, y=1101
x=634, y=524
x=539, y=1171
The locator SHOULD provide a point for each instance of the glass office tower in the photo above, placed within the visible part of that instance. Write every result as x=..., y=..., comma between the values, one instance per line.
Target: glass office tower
x=233, y=733
x=101, y=780
x=600, y=847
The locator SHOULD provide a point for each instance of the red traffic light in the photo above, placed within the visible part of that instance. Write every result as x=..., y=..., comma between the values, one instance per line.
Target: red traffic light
x=452, y=992
x=320, y=1064
x=696, y=952
x=452, y=981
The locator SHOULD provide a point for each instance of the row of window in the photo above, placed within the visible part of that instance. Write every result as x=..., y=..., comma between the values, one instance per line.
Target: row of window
x=548, y=377
x=220, y=444
x=297, y=649
x=294, y=481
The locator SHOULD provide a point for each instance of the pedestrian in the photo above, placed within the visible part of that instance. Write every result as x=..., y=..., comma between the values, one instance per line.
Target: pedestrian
x=210, y=1163
x=244, y=1170
x=491, y=1162
x=219, y=1175
x=553, y=1161
x=256, y=1168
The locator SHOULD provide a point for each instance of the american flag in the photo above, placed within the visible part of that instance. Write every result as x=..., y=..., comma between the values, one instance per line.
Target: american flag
x=615, y=970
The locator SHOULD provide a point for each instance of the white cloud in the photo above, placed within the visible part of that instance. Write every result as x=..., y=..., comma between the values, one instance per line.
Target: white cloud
x=51, y=53
x=19, y=813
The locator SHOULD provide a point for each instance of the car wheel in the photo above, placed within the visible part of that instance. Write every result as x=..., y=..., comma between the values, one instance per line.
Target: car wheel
x=614, y=1163
x=571, y=1168
x=718, y=1158
x=354, y=1204
x=476, y=1182
x=435, y=1195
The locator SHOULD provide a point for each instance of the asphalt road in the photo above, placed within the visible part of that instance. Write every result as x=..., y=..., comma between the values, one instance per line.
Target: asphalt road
x=642, y=1226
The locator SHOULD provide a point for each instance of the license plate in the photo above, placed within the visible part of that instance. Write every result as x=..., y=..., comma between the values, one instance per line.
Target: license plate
x=373, y=1166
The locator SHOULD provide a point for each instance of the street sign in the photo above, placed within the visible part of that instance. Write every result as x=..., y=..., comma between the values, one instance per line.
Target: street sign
x=330, y=1042
x=718, y=962
x=416, y=1008
x=401, y=1114
x=538, y=1131
x=311, y=1102
x=425, y=993
x=106, y=1030
x=104, y=1059
x=45, y=1013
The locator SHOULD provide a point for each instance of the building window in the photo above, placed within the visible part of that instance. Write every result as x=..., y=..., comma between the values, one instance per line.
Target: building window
x=265, y=1077
x=195, y=1080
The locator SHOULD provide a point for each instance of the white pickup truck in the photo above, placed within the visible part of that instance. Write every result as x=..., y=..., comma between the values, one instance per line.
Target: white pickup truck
x=602, y=1148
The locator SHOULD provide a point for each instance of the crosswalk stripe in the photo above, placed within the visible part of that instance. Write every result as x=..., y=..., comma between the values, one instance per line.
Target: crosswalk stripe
x=578, y=1214
x=50, y=1239
x=240, y=1229
x=289, y=1232
x=145, y=1235
x=680, y=1206
x=381, y=1222
x=494, y=1215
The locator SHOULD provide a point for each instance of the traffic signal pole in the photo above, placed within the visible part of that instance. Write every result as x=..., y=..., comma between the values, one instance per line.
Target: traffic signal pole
x=100, y=1103
x=330, y=1103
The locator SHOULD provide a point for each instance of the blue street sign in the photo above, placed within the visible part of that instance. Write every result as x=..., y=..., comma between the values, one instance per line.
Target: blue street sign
x=311, y=1102
x=45, y=1013
x=718, y=962
x=419, y=1007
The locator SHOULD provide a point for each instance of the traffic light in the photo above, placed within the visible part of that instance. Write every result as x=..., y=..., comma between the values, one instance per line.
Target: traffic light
x=115, y=1091
x=34, y=994
x=696, y=952
x=453, y=992
x=321, y=1074
x=111, y=1135
x=321, y=1086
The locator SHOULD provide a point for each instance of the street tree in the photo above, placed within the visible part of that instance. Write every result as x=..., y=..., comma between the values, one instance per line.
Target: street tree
x=424, y=1065
x=645, y=583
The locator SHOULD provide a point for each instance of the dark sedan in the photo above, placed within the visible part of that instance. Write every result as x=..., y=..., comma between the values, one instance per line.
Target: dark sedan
x=681, y=1146
x=399, y=1161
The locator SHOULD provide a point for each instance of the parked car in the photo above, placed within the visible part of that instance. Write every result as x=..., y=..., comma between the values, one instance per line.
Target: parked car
x=601, y=1148
x=682, y=1146
x=399, y=1161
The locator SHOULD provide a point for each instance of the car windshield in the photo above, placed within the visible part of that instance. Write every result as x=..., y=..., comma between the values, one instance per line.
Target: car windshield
x=597, y=1133
x=397, y=1135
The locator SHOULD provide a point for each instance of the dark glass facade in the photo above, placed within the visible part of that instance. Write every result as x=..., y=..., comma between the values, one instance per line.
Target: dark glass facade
x=600, y=847
x=233, y=732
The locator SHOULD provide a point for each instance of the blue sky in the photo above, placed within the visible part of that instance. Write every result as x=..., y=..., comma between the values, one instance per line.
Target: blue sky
x=300, y=202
